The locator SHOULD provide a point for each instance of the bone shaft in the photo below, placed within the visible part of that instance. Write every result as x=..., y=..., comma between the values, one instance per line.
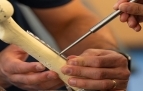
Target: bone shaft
x=15, y=35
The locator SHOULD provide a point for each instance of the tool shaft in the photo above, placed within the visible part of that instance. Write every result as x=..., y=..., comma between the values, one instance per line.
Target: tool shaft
x=95, y=28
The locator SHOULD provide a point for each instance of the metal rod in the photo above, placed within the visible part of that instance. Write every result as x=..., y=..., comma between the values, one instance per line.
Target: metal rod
x=95, y=28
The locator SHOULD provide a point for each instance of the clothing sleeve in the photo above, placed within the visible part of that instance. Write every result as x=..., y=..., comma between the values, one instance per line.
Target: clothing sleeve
x=43, y=3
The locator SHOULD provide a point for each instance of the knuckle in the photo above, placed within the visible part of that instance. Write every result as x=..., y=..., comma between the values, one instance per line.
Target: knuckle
x=124, y=74
x=82, y=62
x=127, y=74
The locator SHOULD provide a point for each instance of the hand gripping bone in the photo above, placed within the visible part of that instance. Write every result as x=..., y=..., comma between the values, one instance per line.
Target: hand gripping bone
x=12, y=33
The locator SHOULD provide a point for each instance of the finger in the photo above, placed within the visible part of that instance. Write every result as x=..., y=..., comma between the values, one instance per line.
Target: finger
x=20, y=67
x=97, y=84
x=33, y=78
x=132, y=8
x=51, y=84
x=116, y=60
x=137, y=28
x=96, y=52
x=132, y=22
x=118, y=3
x=124, y=17
x=96, y=73
x=16, y=52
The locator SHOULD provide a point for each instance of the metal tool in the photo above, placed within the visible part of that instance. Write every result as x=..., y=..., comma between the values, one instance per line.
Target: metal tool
x=96, y=27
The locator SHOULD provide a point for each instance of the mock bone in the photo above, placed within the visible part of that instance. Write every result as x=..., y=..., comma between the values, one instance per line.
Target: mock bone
x=6, y=10
x=12, y=33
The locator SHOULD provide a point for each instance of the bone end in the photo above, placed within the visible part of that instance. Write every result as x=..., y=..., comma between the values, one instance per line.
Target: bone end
x=6, y=10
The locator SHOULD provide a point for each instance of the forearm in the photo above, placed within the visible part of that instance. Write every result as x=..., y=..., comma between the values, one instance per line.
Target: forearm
x=68, y=23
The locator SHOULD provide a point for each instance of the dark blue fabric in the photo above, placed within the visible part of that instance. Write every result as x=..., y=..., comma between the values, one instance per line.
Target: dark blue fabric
x=44, y=3
x=20, y=19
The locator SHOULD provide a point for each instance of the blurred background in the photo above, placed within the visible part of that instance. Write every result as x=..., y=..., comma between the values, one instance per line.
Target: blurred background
x=130, y=41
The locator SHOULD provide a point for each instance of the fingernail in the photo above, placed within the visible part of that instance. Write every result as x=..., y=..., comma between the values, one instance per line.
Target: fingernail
x=67, y=70
x=73, y=63
x=72, y=82
x=40, y=68
x=51, y=77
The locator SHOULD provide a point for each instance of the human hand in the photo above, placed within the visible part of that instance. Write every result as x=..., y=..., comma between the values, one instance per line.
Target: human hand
x=26, y=75
x=132, y=13
x=96, y=69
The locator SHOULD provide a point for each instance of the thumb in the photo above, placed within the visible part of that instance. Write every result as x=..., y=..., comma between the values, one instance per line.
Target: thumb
x=15, y=52
x=132, y=8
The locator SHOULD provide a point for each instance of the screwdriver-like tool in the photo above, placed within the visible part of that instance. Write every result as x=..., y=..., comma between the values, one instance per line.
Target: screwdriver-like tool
x=95, y=28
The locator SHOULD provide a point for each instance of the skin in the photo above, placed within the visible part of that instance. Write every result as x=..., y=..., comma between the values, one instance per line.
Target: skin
x=97, y=69
x=132, y=13
x=64, y=24
x=29, y=76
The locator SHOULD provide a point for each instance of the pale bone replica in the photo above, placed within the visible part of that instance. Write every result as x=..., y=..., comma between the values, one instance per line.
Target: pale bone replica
x=12, y=33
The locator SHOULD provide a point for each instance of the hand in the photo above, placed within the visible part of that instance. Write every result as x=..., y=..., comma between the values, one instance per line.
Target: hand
x=132, y=13
x=96, y=69
x=25, y=75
